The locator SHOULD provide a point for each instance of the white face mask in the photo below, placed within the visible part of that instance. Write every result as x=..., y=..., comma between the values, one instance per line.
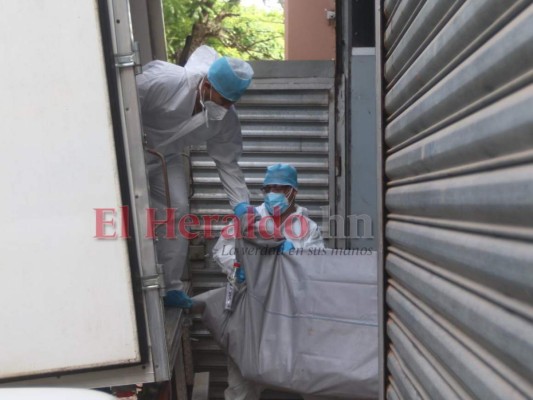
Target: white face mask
x=212, y=110
x=215, y=112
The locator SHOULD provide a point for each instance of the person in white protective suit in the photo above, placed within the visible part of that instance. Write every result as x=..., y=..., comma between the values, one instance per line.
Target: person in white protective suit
x=280, y=187
x=183, y=106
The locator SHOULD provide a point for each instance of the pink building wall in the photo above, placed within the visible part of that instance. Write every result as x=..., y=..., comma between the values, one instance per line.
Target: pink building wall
x=309, y=35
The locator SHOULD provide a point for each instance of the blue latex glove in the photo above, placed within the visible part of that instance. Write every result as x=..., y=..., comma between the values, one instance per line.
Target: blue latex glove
x=286, y=246
x=240, y=277
x=240, y=209
x=177, y=298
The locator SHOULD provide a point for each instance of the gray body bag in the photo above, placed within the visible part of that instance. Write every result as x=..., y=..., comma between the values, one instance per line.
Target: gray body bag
x=304, y=322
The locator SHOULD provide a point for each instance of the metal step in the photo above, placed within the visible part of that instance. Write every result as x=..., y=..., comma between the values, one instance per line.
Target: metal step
x=205, y=345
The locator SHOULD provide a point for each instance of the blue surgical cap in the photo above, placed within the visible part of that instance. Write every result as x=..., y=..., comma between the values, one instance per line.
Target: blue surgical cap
x=230, y=77
x=281, y=174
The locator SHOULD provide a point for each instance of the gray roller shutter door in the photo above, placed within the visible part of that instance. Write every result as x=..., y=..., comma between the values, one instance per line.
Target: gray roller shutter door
x=287, y=116
x=458, y=132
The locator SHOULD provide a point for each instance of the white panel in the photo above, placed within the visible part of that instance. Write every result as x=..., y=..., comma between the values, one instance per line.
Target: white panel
x=66, y=297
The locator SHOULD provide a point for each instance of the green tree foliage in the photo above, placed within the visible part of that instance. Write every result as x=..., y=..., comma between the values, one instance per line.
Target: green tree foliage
x=232, y=29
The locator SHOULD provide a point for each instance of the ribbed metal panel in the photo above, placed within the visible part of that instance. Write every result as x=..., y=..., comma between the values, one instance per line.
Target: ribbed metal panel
x=465, y=32
x=284, y=120
x=403, y=13
x=499, y=133
x=497, y=68
x=459, y=199
x=432, y=15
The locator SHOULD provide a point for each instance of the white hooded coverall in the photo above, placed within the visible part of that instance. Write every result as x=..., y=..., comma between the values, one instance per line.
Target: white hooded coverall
x=167, y=94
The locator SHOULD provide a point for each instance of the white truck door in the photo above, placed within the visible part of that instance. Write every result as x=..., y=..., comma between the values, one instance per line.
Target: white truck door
x=67, y=302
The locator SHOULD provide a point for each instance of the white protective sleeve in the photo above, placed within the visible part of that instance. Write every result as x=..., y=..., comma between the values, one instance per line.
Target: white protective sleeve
x=225, y=149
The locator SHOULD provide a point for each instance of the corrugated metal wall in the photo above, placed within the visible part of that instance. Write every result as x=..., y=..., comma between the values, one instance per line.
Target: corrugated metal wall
x=459, y=229
x=286, y=117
